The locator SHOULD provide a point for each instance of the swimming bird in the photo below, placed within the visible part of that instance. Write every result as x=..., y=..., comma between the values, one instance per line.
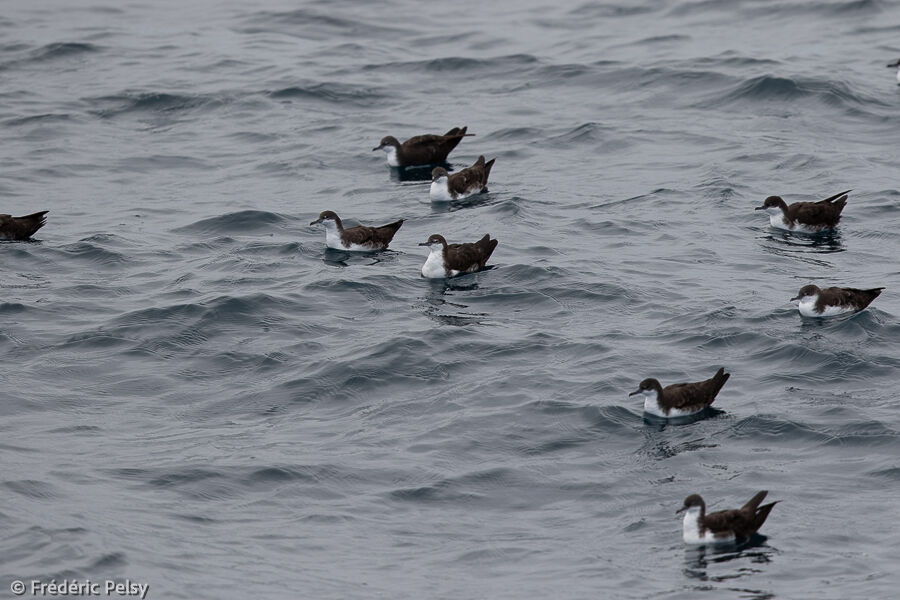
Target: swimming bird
x=428, y=149
x=896, y=64
x=805, y=217
x=680, y=399
x=356, y=239
x=21, y=228
x=449, y=260
x=471, y=180
x=724, y=525
x=816, y=302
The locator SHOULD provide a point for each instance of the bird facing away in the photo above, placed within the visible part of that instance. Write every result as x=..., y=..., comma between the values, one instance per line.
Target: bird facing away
x=816, y=302
x=724, y=525
x=680, y=399
x=428, y=149
x=21, y=228
x=471, y=180
x=356, y=239
x=896, y=64
x=805, y=217
x=449, y=260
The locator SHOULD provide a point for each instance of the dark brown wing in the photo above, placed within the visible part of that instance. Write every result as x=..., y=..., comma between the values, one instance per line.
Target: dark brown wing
x=744, y=521
x=825, y=212
x=847, y=297
x=376, y=237
x=727, y=521
x=21, y=228
x=471, y=178
x=470, y=257
x=688, y=396
x=430, y=148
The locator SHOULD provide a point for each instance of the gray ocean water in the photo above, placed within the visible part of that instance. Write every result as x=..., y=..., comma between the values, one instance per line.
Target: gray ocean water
x=196, y=395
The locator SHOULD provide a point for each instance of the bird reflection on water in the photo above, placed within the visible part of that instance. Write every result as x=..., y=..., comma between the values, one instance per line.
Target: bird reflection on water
x=700, y=560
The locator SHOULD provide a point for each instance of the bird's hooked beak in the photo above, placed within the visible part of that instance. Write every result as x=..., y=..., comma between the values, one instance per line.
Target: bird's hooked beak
x=681, y=510
x=795, y=298
x=760, y=208
x=424, y=244
x=316, y=221
x=635, y=392
x=377, y=148
x=894, y=64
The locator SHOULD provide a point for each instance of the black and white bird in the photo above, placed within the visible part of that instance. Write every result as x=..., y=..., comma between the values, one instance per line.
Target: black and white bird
x=449, y=260
x=833, y=301
x=454, y=186
x=897, y=65
x=724, y=525
x=805, y=217
x=21, y=228
x=428, y=149
x=680, y=399
x=356, y=239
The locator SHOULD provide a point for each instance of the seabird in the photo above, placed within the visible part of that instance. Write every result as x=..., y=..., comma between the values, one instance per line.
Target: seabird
x=680, y=399
x=21, y=228
x=724, y=525
x=815, y=302
x=449, y=260
x=471, y=180
x=356, y=239
x=896, y=64
x=805, y=217
x=428, y=149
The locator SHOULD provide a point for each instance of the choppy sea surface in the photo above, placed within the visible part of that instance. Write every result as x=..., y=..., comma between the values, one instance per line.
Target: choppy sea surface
x=196, y=395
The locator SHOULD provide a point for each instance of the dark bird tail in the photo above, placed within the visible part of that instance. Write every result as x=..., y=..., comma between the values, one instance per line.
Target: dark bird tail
x=838, y=201
x=487, y=245
x=762, y=513
x=753, y=502
x=487, y=169
x=459, y=132
x=872, y=294
x=31, y=223
x=838, y=196
x=393, y=227
x=37, y=217
x=718, y=380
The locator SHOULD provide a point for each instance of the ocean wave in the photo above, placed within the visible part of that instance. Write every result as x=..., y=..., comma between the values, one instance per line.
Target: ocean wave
x=62, y=49
x=451, y=64
x=314, y=24
x=93, y=253
x=40, y=119
x=338, y=93
x=772, y=88
x=152, y=103
x=244, y=221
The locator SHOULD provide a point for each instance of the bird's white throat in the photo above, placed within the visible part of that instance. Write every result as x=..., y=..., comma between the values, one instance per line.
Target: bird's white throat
x=440, y=189
x=391, y=152
x=332, y=235
x=691, y=526
x=651, y=403
x=434, y=264
x=776, y=217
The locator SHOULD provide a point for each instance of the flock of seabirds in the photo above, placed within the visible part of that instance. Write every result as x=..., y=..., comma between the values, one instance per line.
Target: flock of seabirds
x=671, y=402
x=445, y=260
